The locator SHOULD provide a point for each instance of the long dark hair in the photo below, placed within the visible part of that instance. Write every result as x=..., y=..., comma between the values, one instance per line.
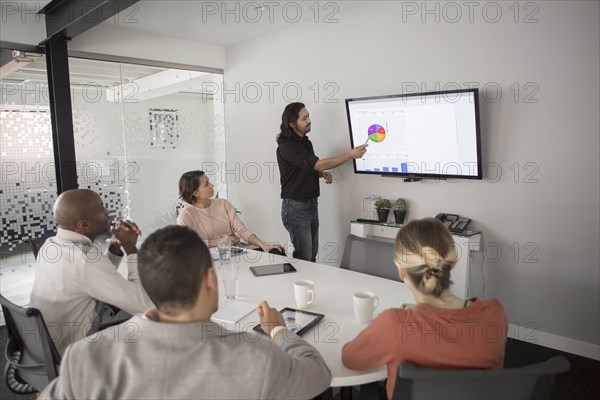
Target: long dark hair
x=290, y=115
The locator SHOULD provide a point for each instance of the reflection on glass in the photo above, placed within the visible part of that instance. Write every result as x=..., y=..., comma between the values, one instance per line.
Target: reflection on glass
x=137, y=129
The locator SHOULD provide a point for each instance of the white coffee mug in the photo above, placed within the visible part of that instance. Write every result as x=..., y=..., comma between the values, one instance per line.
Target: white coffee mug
x=364, y=305
x=305, y=293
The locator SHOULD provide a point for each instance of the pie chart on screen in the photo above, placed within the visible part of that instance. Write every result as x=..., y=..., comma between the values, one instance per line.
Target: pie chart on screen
x=376, y=133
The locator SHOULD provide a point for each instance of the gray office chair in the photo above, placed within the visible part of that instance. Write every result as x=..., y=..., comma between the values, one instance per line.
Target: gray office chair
x=529, y=382
x=32, y=358
x=370, y=256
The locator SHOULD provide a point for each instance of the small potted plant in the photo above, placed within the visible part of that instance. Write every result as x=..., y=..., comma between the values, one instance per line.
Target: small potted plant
x=383, y=207
x=400, y=210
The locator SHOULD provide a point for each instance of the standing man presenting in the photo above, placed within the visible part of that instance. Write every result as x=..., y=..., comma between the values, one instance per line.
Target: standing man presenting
x=300, y=170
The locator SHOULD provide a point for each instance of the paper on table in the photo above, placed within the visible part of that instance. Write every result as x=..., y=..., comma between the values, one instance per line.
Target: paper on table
x=234, y=312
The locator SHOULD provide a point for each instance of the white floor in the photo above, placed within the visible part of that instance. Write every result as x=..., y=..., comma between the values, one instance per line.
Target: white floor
x=16, y=275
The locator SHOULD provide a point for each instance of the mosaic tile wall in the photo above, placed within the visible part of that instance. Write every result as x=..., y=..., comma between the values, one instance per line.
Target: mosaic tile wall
x=26, y=213
x=28, y=184
x=116, y=158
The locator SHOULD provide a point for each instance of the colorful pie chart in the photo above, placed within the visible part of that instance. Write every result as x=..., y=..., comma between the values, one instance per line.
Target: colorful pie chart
x=376, y=133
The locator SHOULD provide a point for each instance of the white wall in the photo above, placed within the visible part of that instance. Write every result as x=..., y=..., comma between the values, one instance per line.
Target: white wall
x=550, y=209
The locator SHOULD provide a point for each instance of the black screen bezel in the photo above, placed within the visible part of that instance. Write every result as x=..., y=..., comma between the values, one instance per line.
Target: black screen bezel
x=409, y=175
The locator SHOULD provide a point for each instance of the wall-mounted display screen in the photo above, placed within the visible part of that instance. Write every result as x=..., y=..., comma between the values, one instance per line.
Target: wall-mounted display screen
x=418, y=135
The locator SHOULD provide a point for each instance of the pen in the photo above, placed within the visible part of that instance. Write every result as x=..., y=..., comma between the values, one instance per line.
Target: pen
x=367, y=141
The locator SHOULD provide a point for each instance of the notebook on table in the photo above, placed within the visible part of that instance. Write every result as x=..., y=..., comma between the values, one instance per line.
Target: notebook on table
x=234, y=312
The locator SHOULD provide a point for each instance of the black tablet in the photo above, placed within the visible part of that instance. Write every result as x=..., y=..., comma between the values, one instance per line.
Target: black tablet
x=297, y=321
x=236, y=251
x=274, y=269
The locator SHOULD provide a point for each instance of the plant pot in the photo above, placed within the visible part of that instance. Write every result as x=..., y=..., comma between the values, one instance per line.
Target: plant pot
x=382, y=215
x=399, y=216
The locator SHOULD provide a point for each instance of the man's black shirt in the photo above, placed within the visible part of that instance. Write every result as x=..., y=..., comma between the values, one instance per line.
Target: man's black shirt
x=296, y=159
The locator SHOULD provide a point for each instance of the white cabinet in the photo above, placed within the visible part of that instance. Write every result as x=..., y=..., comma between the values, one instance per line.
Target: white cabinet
x=464, y=246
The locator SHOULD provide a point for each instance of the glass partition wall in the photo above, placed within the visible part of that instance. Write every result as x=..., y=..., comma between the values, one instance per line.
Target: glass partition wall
x=27, y=175
x=137, y=128
x=28, y=183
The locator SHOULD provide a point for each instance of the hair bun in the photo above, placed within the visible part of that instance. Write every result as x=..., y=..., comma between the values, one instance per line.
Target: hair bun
x=433, y=272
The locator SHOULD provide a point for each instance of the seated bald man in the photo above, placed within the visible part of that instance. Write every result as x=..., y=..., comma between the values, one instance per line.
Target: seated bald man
x=72, y=274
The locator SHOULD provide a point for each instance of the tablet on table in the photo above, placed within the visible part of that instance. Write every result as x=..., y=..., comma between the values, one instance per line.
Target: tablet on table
x=297, y=321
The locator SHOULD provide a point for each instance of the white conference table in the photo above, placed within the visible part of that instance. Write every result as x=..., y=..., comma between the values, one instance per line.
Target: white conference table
x=334, y=290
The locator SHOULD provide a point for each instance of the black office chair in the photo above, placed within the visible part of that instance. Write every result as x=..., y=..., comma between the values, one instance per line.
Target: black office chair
x=32, y=358
x=370, y=256
x=530, y=382
x=36, y=243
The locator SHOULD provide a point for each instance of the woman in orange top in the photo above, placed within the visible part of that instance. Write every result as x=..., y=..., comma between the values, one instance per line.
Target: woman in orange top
x=441, y=330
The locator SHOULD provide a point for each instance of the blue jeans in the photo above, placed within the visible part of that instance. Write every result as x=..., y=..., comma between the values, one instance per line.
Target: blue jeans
x=301, y=219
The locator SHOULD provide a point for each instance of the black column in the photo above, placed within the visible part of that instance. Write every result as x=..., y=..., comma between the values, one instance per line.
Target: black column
x=65, y=19
x=57, y=65
x=70, y=18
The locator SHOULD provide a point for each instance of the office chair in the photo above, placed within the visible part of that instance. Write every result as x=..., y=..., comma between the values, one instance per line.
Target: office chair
x=36, y=243
x=32, y=358
x=370, y=256
x=528, y=382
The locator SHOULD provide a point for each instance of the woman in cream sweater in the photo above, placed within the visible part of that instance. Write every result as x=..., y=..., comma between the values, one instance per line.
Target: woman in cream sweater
x=215, y=220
